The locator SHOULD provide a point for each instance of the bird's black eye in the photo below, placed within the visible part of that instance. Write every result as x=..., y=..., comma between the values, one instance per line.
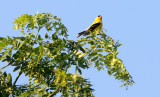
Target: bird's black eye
x=99, y=15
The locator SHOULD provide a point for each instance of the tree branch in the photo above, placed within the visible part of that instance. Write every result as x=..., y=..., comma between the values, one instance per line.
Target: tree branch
x=5, y=66
x=20, y=72
x=37, y=33
x=55, y=92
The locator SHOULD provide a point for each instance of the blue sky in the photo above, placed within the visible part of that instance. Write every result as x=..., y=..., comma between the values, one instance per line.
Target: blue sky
x=135, y=23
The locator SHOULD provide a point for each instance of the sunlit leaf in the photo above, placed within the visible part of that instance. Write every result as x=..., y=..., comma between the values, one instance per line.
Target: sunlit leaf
x=82, y=55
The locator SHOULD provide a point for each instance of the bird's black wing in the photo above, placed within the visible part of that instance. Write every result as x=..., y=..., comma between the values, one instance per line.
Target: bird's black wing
x=91, y=28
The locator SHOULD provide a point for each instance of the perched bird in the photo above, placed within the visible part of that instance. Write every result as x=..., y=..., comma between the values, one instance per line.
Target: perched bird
x=94, y=28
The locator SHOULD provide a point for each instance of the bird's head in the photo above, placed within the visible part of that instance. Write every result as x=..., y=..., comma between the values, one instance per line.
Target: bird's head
x=99, y=18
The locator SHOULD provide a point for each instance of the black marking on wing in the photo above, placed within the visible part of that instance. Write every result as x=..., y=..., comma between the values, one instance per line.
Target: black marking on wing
x=86, y=32
x=94, y=26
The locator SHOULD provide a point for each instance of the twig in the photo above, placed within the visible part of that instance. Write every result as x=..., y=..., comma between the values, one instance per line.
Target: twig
x=5, y=66
x=37, y=33
x=20, y=72
x=55, y=92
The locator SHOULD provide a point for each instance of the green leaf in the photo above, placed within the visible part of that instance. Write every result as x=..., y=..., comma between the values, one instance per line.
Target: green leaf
x=78, y=52
x=100, y=55
x=46, y=35
x=21, y=44
x=109, y=73
x=94, y=53
x=9, y=79
x=82, y=55
x=95, y=58
x=101, y=59
x=80, y=47
x=79, y=70
x=97, y=63
x=100, y=50
x=1, y=38
x=39, y=37
x=5, y=74
x=93, y=46
x=54, y=37
x=17, y=68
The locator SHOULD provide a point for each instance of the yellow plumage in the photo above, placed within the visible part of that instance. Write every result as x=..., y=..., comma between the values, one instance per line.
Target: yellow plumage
x=94, y=28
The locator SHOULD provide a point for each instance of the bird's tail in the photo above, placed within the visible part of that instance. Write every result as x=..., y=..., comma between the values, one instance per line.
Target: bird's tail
x=79, y=34
x=84, y=33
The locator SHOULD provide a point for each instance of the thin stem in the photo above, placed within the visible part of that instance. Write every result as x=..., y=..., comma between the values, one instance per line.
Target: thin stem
x=55, y=92
x=37, y=33
x=5, y=66
x=20, y=72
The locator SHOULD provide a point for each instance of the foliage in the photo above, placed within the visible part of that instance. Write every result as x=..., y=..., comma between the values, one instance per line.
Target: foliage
x=46, y=58
x=5, y=84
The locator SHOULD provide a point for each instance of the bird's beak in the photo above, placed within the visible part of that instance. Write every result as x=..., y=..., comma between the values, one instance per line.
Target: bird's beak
x=100, y=17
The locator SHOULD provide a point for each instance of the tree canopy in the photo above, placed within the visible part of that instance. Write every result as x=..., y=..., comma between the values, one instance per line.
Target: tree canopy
x=46, y=58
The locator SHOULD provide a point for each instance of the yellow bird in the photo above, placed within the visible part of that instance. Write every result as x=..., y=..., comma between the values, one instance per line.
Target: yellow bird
x=94, y=28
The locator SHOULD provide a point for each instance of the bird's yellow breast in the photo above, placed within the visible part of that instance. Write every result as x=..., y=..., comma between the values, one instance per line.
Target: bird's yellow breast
x=98, y=29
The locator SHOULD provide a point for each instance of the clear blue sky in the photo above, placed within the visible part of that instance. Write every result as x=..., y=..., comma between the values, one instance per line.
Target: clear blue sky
x=135, y=23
